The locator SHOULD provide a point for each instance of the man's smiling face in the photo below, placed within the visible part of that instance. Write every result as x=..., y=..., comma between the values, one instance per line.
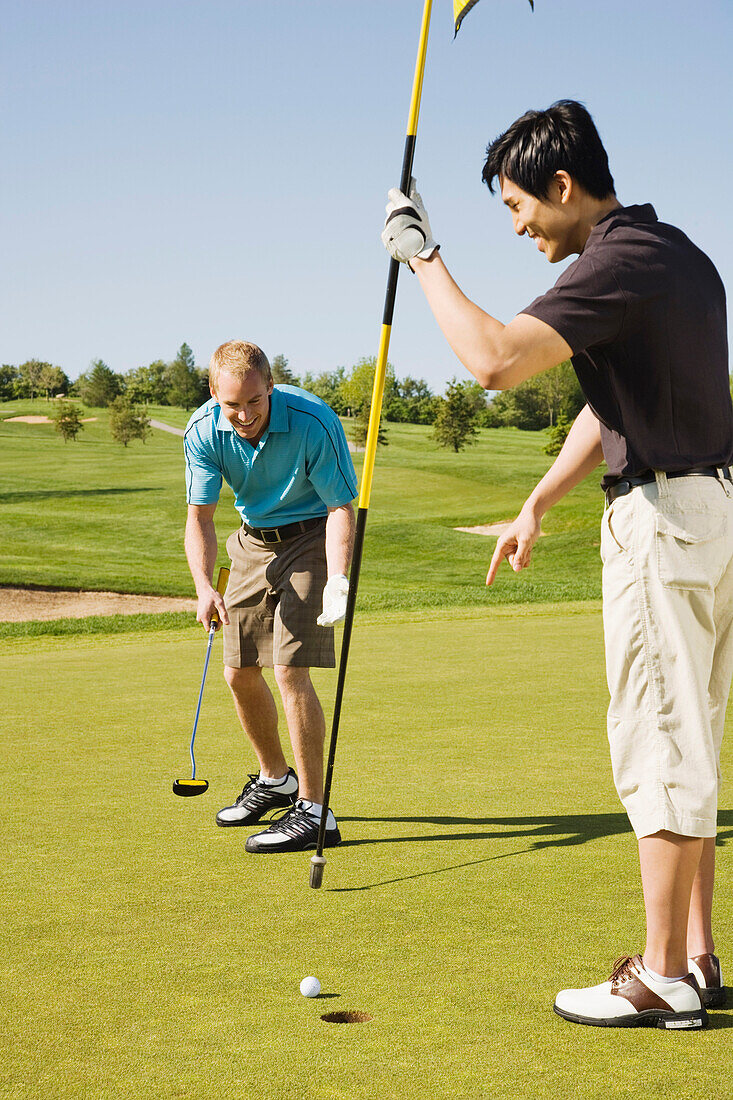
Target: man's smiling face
x=551, y=222
x=245, y=403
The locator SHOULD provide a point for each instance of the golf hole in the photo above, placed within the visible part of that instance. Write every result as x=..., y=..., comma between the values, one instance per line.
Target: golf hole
x=346, y=1017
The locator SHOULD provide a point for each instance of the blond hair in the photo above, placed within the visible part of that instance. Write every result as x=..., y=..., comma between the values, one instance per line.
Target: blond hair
x=239, y=359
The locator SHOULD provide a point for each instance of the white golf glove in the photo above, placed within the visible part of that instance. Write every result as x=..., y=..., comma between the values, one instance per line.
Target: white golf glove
x=407, y=231
x=334, y=600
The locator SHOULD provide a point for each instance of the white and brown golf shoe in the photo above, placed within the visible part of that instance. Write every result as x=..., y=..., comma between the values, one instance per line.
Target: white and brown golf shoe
x=706, y=969
x=632, y=998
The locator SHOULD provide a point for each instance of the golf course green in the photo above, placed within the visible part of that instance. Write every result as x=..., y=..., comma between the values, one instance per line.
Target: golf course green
x=486, y=860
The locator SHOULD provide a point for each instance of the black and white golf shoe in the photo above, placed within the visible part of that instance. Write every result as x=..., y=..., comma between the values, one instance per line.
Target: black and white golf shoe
x=258, y=798
x=295, y=831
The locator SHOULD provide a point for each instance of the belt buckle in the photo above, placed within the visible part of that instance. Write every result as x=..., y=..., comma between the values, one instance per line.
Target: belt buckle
x=276, y=532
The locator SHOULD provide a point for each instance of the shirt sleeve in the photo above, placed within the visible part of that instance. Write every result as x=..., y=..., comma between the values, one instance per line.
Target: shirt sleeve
x=203, y=476
x=328, y=464
x=586, y=306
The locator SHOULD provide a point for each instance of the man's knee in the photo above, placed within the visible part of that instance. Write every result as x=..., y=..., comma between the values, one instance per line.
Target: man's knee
x=289, y=678
x=241, y=677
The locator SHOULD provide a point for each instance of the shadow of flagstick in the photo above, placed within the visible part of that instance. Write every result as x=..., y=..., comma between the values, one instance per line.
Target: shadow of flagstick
x=425, y=874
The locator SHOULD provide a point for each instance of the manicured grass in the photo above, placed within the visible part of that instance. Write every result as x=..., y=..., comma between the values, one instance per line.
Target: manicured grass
x=92, y=514
x=486, y=863
x=101, y=624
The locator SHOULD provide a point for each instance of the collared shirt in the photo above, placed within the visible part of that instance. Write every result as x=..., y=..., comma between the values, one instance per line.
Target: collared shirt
x=300, y=468
x=643, y=310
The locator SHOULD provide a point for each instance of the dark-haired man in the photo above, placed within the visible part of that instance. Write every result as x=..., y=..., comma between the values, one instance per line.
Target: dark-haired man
x=642, y=314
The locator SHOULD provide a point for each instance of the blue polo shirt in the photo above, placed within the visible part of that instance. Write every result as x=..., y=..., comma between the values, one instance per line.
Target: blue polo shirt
x=300, y=468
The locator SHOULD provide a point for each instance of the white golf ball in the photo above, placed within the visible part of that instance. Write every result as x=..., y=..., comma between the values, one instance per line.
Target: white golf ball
x=310, y=987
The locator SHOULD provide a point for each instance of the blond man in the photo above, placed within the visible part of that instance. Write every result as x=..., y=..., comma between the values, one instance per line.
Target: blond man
x=284, y=454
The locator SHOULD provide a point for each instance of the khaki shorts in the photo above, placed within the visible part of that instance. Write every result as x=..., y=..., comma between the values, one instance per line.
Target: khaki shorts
x=274, y=596
x=667, y=551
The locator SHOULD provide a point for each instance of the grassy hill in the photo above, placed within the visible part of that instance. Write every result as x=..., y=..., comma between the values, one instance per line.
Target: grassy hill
x=92, y=514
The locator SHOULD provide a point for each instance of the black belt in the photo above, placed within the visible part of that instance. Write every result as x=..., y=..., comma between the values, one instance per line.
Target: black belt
x=626, y=484
x=279, y=534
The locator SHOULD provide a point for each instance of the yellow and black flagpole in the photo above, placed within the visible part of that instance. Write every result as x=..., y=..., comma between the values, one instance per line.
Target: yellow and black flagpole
x=317, y=861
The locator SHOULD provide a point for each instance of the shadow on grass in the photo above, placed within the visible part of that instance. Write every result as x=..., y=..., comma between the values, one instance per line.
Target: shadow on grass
x=24, y=495
x=720, y=1020
x=548, y=831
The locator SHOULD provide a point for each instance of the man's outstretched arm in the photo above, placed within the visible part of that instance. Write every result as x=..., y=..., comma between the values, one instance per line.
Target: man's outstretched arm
x=580, y=455
x=499, y=356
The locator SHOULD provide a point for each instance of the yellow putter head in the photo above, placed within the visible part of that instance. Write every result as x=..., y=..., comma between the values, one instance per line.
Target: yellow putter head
x=187, y=787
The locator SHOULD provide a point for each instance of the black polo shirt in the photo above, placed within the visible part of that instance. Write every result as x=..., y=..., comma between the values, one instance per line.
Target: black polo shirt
x=643, y=310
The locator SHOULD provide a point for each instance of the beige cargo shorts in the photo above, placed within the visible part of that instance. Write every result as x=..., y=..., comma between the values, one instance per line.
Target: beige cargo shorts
x=667, y=551
x=274, y=596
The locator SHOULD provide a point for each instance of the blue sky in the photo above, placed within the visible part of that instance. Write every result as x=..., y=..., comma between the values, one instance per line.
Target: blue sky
x=179, y=170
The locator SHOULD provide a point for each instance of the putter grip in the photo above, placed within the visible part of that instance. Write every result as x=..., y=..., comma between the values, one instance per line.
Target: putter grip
x=221, y=586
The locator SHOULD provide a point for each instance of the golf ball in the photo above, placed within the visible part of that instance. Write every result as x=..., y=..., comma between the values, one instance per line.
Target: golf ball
x=310, y=987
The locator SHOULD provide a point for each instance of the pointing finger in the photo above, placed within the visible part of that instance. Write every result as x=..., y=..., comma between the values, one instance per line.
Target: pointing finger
x=500, y=552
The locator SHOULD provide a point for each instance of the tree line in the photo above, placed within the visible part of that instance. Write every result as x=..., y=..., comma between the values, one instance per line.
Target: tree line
x=549, y=400
x=180, y=383
x=552, y=399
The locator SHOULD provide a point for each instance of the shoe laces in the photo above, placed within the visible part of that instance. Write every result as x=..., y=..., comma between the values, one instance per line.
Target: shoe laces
x=621, y=970
x=293, y=822
x=247, y=788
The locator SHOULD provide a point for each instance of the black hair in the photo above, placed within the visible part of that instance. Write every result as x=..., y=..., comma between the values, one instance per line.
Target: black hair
x=540, y=143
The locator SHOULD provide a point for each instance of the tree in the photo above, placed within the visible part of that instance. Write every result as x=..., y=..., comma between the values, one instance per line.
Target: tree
x=30, y=374
x=100, y=386
x=185, y=384
x=559, y=393
x=127, y=421
x=478, y=397
x=455, y=422
x=357, y=391
x=148, y=384
x=329, y=387
x=281, y=372
x=413, y=402
x=538, y=401
x=67, y=419
x=53, y=380
x=9, y=380
x=558, y=435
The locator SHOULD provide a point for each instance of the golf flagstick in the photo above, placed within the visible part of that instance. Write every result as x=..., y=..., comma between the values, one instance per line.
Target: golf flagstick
x=318, y=861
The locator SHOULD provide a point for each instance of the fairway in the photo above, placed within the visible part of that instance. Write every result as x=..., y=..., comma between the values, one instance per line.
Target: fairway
x=112, y=518
x=486, y=862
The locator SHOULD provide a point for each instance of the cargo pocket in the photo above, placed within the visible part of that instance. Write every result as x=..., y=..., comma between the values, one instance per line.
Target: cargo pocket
x=689, y=549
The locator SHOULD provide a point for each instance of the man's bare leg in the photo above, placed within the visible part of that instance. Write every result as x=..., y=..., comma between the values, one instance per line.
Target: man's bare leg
x=257, y=712
x=669, y=865
x=699, y=924
x=307, y=728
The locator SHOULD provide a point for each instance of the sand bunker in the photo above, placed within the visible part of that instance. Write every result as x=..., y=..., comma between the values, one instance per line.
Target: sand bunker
x=19, y=605
x=489, y=528
x=41, y=419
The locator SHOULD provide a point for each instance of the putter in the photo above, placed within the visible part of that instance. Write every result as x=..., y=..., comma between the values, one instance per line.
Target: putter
x=188, y=787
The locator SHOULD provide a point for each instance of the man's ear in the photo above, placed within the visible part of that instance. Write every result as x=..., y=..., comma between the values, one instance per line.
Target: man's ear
x=563, y=184
x=213, y=392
